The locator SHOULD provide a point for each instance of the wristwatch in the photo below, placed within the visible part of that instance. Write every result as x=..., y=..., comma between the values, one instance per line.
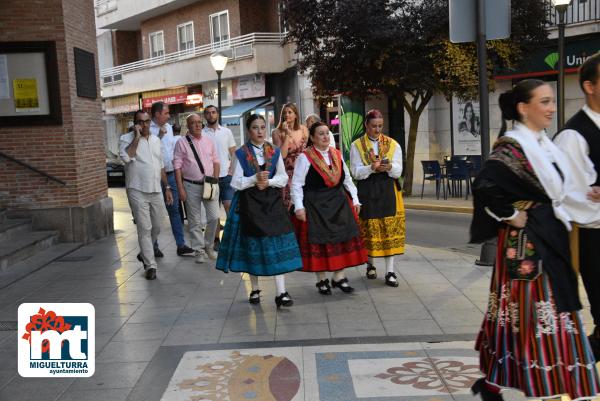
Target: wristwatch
x=168, y=187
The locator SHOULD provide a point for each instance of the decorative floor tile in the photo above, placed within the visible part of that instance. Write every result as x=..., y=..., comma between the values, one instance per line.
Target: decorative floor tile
x=355, y=372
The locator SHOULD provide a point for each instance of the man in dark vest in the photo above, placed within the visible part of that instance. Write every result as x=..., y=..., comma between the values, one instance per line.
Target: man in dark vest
x=581, y=135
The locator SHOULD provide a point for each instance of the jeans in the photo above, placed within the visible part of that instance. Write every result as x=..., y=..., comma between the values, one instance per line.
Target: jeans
x=173, y=211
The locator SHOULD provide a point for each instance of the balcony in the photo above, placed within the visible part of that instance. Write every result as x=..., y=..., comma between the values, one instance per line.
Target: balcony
x=127, y=15
x=579, y=11
x=255, y=53
x=582, y=17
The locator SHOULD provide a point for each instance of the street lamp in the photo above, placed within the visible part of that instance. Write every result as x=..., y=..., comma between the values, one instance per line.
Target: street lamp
x=561, y=8
x=219, y=62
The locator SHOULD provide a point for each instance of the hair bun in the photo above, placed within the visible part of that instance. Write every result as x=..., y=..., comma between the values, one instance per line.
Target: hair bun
x=508, y=106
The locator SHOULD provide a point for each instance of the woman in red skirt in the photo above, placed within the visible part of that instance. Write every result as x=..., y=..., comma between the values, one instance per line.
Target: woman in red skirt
x=326, y=212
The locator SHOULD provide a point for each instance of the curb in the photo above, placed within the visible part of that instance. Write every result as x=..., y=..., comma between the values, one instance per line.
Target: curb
x=440, y=208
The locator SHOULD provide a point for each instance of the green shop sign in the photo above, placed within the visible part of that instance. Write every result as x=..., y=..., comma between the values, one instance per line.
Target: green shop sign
x=544, y=61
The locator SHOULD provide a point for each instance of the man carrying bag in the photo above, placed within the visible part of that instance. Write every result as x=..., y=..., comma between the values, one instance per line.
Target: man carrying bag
x=196, y=164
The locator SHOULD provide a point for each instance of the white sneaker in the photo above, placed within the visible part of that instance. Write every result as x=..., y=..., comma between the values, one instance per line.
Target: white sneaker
x=211, y=253
x=200, y=257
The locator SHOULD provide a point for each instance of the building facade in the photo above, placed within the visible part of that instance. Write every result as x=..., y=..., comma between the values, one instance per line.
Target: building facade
x=160, y=50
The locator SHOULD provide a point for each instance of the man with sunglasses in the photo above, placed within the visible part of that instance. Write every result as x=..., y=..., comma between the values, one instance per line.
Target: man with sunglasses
x=160, y=127
x=144, y=172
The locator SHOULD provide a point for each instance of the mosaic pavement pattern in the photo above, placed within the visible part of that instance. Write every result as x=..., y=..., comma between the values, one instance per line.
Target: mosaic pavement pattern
x=373, y=372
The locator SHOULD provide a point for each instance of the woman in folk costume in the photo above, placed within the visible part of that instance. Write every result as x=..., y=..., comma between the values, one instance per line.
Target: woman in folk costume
x=326, y=207
x=376, y=164
x=291, y=137
x=259, y=238
x=532, y=338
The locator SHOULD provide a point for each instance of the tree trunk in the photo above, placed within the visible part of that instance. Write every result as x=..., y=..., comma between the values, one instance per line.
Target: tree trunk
x=410, y=151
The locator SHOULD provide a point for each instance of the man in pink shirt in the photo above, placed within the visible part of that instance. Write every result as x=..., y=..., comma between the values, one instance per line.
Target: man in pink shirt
x=190, y=184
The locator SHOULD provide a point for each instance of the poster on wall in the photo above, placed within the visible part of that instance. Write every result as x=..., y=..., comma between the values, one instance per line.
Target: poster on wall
x=249, y=87
x=466, y=129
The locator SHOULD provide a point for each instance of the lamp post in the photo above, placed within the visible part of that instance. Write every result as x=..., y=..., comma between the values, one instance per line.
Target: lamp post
x=561, y=8
x=219, y=61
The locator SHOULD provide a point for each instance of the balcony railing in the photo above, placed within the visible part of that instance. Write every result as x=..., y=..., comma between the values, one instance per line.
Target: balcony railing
x=235, y=48
x=104, y=6
x=578, y=11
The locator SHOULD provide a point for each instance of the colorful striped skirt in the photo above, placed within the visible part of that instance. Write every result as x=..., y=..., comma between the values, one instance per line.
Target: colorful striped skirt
x=525, y=344
x=259, y=256
x=329, y=257
x=385, y=236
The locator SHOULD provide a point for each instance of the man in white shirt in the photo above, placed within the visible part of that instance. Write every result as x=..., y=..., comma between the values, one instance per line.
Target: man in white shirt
x=160, y=128
x=580, y=141
x=144, y=172
x=225, y=143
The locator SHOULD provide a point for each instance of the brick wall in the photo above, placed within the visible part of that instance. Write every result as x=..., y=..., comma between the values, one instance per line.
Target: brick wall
x=125, y=46
x=258, y=16
x=198, y=13
x=74, y=150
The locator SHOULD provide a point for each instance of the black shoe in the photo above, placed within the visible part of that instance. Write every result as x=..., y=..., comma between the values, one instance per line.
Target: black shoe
x=158, y=253
x=323, y=287
x=346, y=288
x=185, y=251
x=151, y=274
x=254, y=297
x=389, y=281
x=139, y=257
x=283, y=299
x=371, y=272
x=479, y=387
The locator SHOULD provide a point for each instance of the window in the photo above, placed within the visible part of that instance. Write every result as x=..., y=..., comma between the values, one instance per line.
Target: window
x=219, y=26
x=157, y=44
x=185, y=36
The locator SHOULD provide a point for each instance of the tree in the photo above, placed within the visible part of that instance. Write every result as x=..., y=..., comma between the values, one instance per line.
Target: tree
x=400, y=48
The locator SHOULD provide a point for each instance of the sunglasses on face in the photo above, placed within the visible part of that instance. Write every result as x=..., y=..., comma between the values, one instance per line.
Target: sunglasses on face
x=143, y=122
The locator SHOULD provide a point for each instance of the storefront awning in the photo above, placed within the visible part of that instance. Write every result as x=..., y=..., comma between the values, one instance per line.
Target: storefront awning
x=121, y=104
x=232, y=114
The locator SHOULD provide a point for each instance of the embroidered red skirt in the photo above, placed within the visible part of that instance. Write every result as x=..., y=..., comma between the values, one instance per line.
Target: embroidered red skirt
x=328, y=257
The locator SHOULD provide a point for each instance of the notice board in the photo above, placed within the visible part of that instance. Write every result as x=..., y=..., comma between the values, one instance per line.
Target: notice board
x=29, y=84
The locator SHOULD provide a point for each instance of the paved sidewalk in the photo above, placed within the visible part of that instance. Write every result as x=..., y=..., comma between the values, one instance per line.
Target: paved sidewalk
x=430, y=202
x=147, y=332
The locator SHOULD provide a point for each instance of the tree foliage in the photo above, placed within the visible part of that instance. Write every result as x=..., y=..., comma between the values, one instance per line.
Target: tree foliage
x=400, y=48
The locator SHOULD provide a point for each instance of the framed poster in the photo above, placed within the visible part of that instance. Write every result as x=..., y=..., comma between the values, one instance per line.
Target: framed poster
x=466, y=138
x=29, y=84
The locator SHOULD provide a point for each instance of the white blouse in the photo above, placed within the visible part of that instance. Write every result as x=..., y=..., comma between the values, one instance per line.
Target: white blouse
x=583, y=175
x=361, y=172
x=298, y=180
x=239, y=182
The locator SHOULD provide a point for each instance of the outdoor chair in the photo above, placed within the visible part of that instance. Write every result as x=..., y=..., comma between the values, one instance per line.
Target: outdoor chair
x=475, y=165
x=432, y=171
x=457, y=171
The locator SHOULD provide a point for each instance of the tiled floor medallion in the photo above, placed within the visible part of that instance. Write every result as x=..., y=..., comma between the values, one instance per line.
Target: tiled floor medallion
x=235, y=376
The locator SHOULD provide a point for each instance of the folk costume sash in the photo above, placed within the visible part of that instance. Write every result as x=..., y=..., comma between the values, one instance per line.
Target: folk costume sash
x=331, y=174
x=377, y=193
x=247, y=159
x=386, y=148
x=262, y=213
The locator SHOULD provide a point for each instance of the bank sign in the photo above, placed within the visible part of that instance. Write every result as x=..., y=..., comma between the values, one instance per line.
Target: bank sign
x=56, y=340
x=544, y=61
